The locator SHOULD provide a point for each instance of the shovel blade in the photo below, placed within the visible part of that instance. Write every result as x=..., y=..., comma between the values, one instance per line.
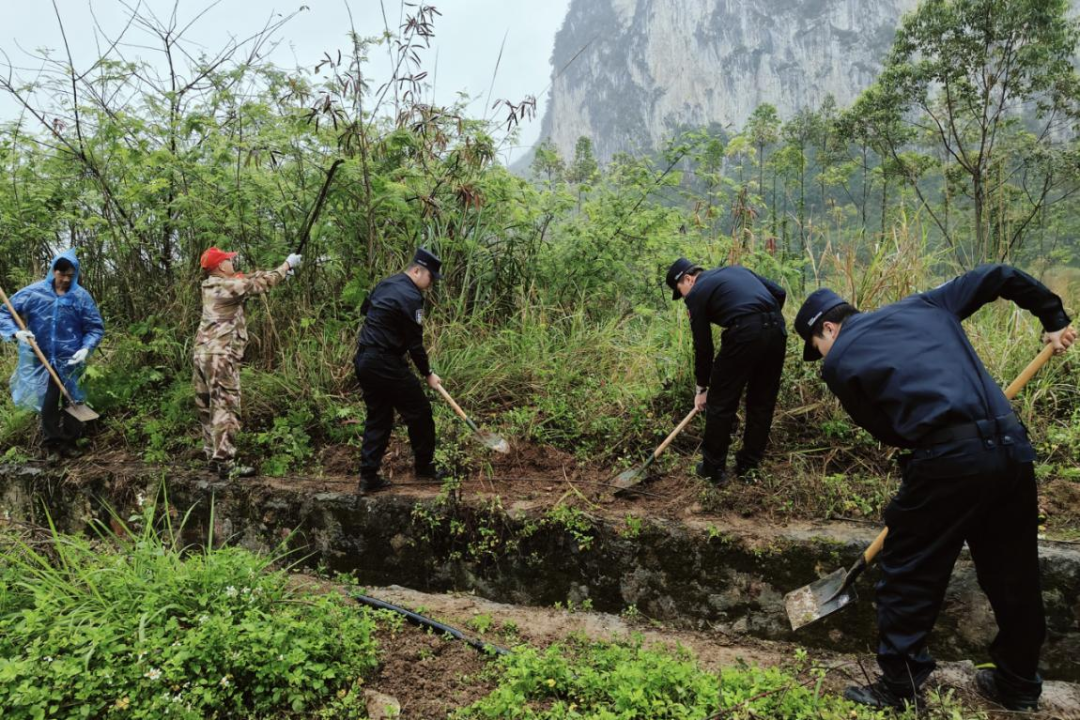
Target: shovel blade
x=629, y=478
x=818, y=599
x=81, y=412
x=494, y=442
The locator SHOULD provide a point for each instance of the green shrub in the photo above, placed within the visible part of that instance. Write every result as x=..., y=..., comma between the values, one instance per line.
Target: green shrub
x=583, y=680
x=132, y=625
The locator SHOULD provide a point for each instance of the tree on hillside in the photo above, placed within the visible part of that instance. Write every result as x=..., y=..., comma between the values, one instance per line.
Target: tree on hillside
x=547, y=161
x=763, y=128
x=978, y=77
x=583, y=168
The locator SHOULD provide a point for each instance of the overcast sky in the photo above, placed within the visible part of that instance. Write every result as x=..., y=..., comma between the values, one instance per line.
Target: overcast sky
x=463, y=55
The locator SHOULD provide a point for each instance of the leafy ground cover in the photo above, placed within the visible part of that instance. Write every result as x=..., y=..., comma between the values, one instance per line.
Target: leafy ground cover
x=132, y=624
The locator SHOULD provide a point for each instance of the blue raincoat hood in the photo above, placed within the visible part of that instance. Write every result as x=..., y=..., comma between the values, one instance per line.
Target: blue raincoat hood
x=70, y=256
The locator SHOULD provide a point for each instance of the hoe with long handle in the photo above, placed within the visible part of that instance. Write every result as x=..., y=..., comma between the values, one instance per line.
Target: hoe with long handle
x=835, y=591
x=490, y=440
x=79, y=411
x=633, y=476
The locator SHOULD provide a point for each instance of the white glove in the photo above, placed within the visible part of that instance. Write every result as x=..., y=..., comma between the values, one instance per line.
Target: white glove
x=294, y=261
x=78, y=357
x=24, y=336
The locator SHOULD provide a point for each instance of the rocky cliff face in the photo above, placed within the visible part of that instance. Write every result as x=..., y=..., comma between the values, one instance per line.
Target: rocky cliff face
x=649, y=67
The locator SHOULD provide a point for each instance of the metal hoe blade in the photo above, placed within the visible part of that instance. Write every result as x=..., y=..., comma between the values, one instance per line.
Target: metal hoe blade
x=81, y=412
x=629, y=478
x=494, y=442
x=819, y=599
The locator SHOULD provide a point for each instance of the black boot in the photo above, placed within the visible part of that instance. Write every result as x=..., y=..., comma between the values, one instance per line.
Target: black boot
x=747, y=473
x=987, y=685
x=712, y=474
x=372, y=483
x=430, y=472
x=877, y=695
x=70, y=451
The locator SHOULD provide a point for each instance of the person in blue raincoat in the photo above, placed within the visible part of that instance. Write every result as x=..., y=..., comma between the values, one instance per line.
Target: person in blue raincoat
x=63, y=319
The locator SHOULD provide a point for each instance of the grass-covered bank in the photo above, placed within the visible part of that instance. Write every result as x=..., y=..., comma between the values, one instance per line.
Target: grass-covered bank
x=130, y=624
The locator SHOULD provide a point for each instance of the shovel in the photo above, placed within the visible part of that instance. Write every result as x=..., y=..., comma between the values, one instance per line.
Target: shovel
x=633, y=476
x=490, y=440
x=836, y=591
x=79, y=411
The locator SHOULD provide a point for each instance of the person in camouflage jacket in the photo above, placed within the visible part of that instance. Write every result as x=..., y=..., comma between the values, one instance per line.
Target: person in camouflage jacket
x=219, y=348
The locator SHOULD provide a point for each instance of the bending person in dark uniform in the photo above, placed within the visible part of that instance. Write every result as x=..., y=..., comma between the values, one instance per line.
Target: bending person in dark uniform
x=908, y=374
x=393, y=327
x=751, y=356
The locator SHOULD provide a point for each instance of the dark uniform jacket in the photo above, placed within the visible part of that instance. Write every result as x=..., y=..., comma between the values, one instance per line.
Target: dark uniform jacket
x=395, y=317
x=719, y=296
x=908, y=369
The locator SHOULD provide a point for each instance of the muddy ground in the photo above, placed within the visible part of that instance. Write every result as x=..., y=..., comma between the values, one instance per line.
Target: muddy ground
x=539, y=477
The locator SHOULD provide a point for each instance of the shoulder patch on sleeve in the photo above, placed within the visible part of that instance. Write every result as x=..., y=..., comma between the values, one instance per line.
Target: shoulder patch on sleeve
x=420, y=317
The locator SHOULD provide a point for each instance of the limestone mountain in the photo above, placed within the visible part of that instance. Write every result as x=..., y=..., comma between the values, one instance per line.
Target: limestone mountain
x=628, y=73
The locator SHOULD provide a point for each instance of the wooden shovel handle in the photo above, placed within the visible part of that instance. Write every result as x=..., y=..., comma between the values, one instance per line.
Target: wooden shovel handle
x=875, y=547
x=37, y=350
x=1010, y=392
x=457, y=408
x=675, y=433
x=1033, y=367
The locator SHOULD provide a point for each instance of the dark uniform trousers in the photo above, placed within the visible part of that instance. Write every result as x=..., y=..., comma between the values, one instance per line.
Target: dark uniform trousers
x=751, y=357
x=388, y=384
x=979, y=490
x=58, y=427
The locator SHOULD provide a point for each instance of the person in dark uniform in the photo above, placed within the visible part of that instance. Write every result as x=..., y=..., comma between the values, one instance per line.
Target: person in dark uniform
x=393, y=327
x=908, y=374
x=751, y=356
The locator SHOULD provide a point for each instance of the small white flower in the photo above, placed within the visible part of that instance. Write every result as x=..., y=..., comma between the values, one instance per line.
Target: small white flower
x=175, y=644
x=140, y=499
x=281, y=658
x=153, y=674
x=203, y=619
x=231, y=592
x=224, y=682
x=48, y=659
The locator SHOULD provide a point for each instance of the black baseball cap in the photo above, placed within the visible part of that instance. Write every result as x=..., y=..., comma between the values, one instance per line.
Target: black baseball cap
x=680, y=267
x=429, y=260
x=817, y=304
